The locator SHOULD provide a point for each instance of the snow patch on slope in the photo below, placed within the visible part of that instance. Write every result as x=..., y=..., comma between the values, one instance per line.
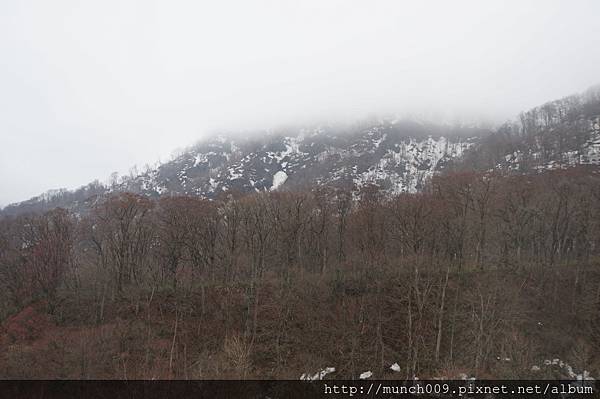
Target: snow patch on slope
x=406, y=167
x=278, y=179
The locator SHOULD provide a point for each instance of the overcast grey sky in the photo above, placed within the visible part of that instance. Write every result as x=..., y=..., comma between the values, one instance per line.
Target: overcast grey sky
x=91, y=87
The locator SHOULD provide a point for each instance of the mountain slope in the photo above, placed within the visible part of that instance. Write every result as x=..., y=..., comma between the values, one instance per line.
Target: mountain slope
x=397, y=155
x=558, y=134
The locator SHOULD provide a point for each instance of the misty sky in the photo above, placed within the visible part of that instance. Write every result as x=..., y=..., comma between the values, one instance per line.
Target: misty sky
x=92, y=87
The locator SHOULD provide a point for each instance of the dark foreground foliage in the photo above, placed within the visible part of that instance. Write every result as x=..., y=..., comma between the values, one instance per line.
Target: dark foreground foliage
x=480, y=274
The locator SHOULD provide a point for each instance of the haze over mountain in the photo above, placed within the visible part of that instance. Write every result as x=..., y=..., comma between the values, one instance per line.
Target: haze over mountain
x=282, y=190
x=397, y=155
x=93, y=88
x=274, y=255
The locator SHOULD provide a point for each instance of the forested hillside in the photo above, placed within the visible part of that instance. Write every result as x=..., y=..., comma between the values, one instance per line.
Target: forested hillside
x=557, y=134
x=478, y=274
x=403, y=249
x=390, y=197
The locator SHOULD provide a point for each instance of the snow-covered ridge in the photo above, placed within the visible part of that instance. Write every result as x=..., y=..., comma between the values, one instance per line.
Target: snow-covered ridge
x=397, y=156
x=409, y=164
x=398, y=161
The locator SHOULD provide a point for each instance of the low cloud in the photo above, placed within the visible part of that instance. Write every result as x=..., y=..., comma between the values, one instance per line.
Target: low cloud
x=100, y=86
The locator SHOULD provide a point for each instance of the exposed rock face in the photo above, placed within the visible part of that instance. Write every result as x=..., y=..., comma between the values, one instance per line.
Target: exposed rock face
x=384, y=154
x=397, y=155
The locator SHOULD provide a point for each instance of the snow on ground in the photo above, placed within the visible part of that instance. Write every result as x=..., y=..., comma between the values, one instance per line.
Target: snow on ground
x=411, y=163
x=365, y=375
x=566, y=368
x=317, y=376
x=278, y=179
x=292, y=147
x=234, y=173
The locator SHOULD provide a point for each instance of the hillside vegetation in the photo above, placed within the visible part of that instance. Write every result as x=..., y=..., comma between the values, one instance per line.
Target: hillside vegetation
x=483, y=274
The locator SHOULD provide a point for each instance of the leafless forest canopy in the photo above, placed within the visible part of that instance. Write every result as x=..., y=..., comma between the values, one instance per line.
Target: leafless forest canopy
x=486, y=274
x=298, y=190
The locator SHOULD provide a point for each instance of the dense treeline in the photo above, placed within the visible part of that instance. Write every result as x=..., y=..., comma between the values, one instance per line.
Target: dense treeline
x=476, y=269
